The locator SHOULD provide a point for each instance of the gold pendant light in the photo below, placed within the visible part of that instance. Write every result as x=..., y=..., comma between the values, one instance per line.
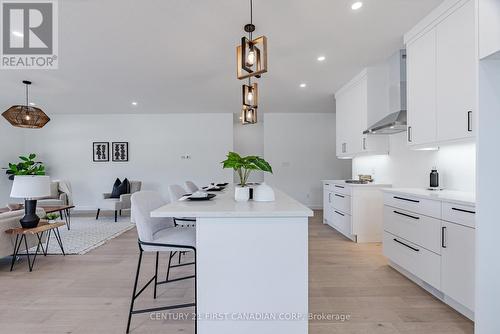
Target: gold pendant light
x=26, y=116
x=251, y=59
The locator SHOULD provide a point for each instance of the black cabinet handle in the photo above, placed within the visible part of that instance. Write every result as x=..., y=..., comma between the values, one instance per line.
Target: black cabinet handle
x=339, y=213
x=410, y=247
x=337, y=186
x=469, y=121
x=406, y=215
x=409, y=134
x=462, y=210
x=406, y=199
x=339, y=196
x=443, y=240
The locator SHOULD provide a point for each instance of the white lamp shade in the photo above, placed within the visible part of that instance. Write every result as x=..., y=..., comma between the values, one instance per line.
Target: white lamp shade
x=30, y=186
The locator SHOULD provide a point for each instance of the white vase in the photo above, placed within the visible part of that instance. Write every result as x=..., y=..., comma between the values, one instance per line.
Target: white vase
x=241, y=194
x=263, y=193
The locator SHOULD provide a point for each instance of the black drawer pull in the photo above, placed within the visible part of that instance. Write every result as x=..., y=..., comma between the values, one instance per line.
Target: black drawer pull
x=410, y=247
x=407, y=199
x=339, y=196
x=339, y=213
x=466, y=211
x=339, y=186
x=406, y=215
x=469, y=121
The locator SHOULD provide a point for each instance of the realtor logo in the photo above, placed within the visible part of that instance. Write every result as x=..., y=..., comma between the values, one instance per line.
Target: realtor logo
x=29, y=34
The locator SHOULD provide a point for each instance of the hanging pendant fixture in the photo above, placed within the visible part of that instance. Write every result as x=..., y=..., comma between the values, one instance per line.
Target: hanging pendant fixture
x=26, y=116
x=251, y=59
x=251, y=54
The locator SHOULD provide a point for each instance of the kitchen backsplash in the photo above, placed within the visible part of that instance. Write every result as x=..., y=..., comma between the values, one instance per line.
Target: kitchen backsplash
x=403, y=167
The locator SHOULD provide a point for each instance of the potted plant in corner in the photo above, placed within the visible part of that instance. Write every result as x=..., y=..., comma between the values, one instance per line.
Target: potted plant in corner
x=244, y=167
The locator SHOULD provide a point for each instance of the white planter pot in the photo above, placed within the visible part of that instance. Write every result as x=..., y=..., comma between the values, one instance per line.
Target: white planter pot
x=241, y=194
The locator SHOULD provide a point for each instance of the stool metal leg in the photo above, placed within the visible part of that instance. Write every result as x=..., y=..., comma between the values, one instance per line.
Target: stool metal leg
x=59, y=240
x=156, y=274
x=170, y=255
x=135, y=290
x=16, y=249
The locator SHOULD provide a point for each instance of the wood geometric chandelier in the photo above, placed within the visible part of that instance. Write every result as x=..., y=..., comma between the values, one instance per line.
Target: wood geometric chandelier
x=26, y=116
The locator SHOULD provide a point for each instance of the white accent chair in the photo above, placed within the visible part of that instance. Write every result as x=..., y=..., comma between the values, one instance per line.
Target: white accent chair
x=159, y=235
x=191, y=186
x=118, y=204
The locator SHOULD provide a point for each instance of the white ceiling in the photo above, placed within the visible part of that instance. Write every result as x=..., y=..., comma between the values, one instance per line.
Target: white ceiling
x=179, y=55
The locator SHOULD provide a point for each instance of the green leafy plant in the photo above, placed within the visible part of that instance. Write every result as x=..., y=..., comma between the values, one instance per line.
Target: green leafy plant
x=27, y=166
x=245, y=165
x=51, y=216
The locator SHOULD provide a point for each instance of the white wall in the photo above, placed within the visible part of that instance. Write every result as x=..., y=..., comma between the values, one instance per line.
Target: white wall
x=301, y=150
x=249, y=140
x=403, y=167
x=156, y=144
x=11, y=147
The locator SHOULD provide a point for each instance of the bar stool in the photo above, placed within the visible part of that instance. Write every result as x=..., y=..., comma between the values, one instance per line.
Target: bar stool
x=159, y=235
x=191, y=186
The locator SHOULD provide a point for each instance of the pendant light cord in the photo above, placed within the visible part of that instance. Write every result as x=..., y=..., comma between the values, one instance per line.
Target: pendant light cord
x=251, y=16
x=27, y=95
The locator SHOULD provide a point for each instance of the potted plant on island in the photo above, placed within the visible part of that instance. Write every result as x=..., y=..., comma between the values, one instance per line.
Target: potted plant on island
x=244, y=167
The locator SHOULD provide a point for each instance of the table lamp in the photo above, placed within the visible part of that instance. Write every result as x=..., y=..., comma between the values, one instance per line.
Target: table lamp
x=30, y=187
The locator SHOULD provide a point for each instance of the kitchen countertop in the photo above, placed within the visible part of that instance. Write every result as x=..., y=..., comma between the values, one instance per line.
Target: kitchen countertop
x=371, y=184
x=450, y=196
x=224, y=205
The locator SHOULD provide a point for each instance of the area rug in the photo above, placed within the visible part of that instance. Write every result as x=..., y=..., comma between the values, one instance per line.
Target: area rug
x=88, y=233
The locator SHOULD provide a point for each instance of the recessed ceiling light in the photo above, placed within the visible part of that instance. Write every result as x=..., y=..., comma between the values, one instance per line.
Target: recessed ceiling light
x=357, y=5
x=303, y=85
x=17, y=34
x=134, y=104
x=321, y=58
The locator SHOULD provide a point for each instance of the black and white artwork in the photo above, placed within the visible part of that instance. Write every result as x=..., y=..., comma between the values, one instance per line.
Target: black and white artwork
x=120, y=151
x=101, y=151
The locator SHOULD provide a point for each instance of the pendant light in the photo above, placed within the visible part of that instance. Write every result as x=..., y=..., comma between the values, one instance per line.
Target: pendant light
x=250, y=94
x=26, y=116
x=251, y=54
x=248, y=115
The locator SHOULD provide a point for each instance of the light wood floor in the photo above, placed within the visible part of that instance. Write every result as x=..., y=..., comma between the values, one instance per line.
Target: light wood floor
x=91, y=293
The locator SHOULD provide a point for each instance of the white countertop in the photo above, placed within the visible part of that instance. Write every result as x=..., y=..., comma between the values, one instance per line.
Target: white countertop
x=451, y=196
x=371, y=184
x=224, y=205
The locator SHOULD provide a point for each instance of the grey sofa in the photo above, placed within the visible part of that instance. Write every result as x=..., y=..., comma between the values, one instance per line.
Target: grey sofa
x=9, y=220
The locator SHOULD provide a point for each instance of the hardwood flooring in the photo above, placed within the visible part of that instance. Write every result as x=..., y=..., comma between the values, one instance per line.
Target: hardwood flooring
x=91, y=293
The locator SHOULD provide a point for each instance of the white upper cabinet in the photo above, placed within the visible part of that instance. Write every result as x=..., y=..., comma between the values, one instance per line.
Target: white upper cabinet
x=442, y=68
x=489, y=28
x=421, y=88
x=456, y=74
x=353, y=105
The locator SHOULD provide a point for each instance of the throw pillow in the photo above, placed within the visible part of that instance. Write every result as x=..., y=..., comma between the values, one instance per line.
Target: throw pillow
x=115, y=193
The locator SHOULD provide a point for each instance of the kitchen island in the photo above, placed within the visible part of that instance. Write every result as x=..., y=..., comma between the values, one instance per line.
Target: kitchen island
x=252, y=263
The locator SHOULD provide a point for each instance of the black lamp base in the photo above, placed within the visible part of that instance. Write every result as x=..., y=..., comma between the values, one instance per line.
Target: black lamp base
x=30, y=218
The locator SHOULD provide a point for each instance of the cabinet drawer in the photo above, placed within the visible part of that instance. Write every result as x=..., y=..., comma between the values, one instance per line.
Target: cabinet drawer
x=341, y=189
x=417, y=260
x=341, y=202
x=342, y=222
x=460, y=214
x=414, y=204
x=419, y=229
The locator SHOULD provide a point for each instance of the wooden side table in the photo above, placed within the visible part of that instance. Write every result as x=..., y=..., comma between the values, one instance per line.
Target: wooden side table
x=42, y=227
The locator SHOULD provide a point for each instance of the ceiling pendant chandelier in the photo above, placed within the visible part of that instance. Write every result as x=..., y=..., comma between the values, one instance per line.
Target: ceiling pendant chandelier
x=26, y=116
x=251, y=58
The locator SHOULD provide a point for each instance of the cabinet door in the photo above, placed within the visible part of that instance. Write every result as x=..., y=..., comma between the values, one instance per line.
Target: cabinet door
x=327, y=206
x=457, y=263
x=342, y=124
x=357, y=116
x=421, y=88
x=456, y=74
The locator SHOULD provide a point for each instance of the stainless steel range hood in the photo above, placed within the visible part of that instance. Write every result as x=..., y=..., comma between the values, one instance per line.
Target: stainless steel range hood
x=395, y=122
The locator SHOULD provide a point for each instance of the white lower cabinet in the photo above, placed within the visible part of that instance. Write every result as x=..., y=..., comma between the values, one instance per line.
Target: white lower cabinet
x=433, y=241
x=356, y=211
x=457, y=263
